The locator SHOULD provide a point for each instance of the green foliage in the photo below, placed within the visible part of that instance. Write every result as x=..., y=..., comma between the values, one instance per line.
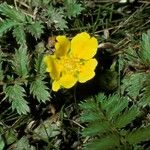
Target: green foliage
x=23, y=144
x=12, y=13
x=19, y=34
x=39, y=90
x=55, y=16
x=36, y=29
x=106, y=119
x=139, y=135
x=2, y=143
x=22, y=23
x=21, y=62
x=72, y=8
x=144, y=53
x=133, y=83
x=16, y=94
x=136, y=84
x=145, y=98
x=7, y=24
x=19, y=23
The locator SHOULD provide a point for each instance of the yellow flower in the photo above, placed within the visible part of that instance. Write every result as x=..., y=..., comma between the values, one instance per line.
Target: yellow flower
x=72, y=61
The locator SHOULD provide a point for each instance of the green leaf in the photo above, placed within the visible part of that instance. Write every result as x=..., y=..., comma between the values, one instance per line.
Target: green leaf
x=19, y=34
x=139, y=135
x=46, y=130
x=36, y=29
x=12, y=13
x=72, y=8
x=106, y=143
x=6, y=25
x=133, y=83
x=127, y=117
x=10, y=136
x=144, y=53
x=104, y=118
x=23, y=144
x=15, y=94
x=21, y=62
x=89, y=117
x=2, y=144
x=96, y=128
x=39, y=65
x=145, y=96
x=56, y=17
x=39, y=90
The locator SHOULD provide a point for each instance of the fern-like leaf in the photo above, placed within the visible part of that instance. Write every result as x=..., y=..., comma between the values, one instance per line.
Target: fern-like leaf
x=39, y=65
x=15, y=94
x=106, y=118
x=145, y=98
x=12, y=13
x=144, y=53
x=6, y=25
x=56, y=17
x=127, y=117
x=36, y=29
x=19, y=34
x=139, y=135
x=72, y=8
x=39, y=90
x=21, y=62
x=133, y=83
x=106, y=143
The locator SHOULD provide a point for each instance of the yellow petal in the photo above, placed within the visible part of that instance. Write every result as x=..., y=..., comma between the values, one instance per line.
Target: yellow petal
x=83, y=46
x=55, y=86
x=87, y=70
x=67, y=81
x=53, y=66
x=62, y=46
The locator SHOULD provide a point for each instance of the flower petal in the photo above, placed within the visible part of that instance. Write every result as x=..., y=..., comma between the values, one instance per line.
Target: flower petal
x=83, y=46
x=55, y=86
x=67, y=81
x=53, y=67
x=62, y=46
x=87, y=70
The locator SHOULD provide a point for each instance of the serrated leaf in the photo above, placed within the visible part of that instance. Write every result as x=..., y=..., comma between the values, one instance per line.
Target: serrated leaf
x=56, y=17
x=36, y=29
x=90, y=105
x=89, y=117
x=106, y=143
x=39, y=65
x=119, y=106
x=139, y=135
x=144, y=53
x=127, y=117
x=10, y=12
x=19, y=34
x=39, y=90
x=133, y=84
x=145, y=99
x=23, y=144
x=15, y=94
x=72, y=8
x=6, y=25
x=21, y=62
x=96, y=128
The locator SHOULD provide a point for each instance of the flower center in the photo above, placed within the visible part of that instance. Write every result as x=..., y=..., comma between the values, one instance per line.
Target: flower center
x=71, y=65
